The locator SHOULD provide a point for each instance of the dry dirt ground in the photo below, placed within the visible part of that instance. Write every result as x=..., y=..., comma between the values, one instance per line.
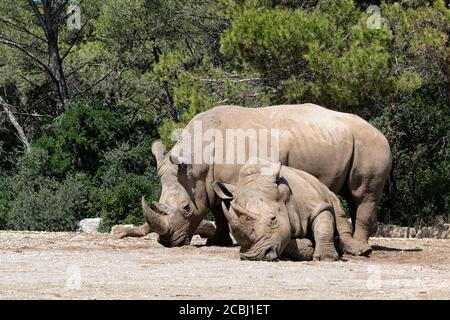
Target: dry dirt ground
x=42, y=265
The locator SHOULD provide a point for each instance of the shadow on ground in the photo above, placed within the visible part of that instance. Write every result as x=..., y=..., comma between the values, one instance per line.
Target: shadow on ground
x=384, y=248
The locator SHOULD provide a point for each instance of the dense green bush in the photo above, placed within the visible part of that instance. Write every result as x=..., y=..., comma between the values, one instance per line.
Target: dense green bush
x=419, y=133
x=6, y=195
x=125, y=175
x=76, y=142
x=122, y=203
x=31, y=199
x=89, y=163
x=45, y=204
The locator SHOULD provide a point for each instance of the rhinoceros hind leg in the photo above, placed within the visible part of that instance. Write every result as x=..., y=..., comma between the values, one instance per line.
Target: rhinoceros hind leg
x=299, y=250
x=366, y=221
x=346, y=243
x=355, y=247
x=370, y=171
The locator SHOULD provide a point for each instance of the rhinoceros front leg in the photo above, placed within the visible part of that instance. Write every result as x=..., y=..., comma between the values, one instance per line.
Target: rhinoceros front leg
x=323, y=232
x=206, y=229
x=121, y=231
x=222, y=235
x=299, y=250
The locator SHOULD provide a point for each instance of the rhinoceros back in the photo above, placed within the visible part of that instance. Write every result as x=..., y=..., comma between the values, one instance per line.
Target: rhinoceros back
x=311, y=138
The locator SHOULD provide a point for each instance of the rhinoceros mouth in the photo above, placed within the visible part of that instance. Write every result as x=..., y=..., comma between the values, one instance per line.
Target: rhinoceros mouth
x=257, y=252
x=169, y=241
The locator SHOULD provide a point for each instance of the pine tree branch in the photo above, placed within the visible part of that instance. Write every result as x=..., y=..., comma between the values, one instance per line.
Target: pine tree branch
x=26, y=52
x=75, y=39
x=18, y=27
x=39, y=16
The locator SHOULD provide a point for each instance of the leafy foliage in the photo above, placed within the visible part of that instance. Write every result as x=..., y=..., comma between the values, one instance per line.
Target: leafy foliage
x=330, y=55
x=125, y=175
x=77, y=142
x=419, y=134
x=45, y=204
x=31, y=200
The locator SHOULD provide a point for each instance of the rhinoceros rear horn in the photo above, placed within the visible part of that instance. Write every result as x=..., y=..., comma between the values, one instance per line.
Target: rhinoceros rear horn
x=243, y=214
x=158, y=223
x=242, y=232
x=231, y=217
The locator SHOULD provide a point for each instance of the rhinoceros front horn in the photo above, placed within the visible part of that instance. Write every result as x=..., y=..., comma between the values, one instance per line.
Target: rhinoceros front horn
x=158, y=223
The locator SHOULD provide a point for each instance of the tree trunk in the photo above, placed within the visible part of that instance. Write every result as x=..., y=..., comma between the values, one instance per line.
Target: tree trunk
x=50, y=20
x=174, y=114
x=16, y=125
x=57, y=68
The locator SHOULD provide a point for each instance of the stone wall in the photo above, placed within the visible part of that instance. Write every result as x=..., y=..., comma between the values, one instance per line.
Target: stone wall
x=393, y=231
x=439, y=231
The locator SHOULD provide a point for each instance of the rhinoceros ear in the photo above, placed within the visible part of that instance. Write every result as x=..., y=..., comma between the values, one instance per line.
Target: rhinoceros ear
x=183, y=163
x=271, y=169
x=260, y=166
x=225, y=191
x=284, y=192
x=158, y=150
x=248, y=169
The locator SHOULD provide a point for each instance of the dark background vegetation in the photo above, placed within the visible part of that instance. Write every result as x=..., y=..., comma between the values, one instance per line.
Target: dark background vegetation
x=80, y=108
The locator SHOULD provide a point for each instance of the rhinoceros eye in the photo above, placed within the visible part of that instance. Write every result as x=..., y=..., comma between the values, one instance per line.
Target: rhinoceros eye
x=186, y=207
x=273, y=221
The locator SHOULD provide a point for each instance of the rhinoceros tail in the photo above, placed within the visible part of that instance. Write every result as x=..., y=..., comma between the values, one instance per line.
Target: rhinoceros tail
x=391, y=186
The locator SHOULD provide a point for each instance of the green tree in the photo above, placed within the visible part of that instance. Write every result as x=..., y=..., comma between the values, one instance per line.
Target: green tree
x=332, y=56
x=418, y=131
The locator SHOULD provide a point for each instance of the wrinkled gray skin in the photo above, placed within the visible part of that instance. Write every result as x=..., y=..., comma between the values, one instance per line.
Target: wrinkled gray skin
x=343, y=151
x=275, y=206
x=206, y=229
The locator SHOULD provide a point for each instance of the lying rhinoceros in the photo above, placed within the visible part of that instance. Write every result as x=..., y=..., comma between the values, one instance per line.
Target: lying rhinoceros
x=206, y=229
x=343, y=151
x=274, y=206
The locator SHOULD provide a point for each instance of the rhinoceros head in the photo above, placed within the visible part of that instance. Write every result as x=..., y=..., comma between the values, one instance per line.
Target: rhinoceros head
x=258, y=215
x=173, y=217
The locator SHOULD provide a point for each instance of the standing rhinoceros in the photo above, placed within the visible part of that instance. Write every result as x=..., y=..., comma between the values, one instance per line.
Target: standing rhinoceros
x=272, y=209
x=343, y=151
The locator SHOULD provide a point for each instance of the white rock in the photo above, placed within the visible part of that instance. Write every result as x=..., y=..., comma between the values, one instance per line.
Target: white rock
x=91, y=225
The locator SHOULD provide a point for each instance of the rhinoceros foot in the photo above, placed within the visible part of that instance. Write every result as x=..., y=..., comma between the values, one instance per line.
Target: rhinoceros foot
x=206, y=229
x=119, y=231
x=356, y=247
x=325, y=253
x=299, y=249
